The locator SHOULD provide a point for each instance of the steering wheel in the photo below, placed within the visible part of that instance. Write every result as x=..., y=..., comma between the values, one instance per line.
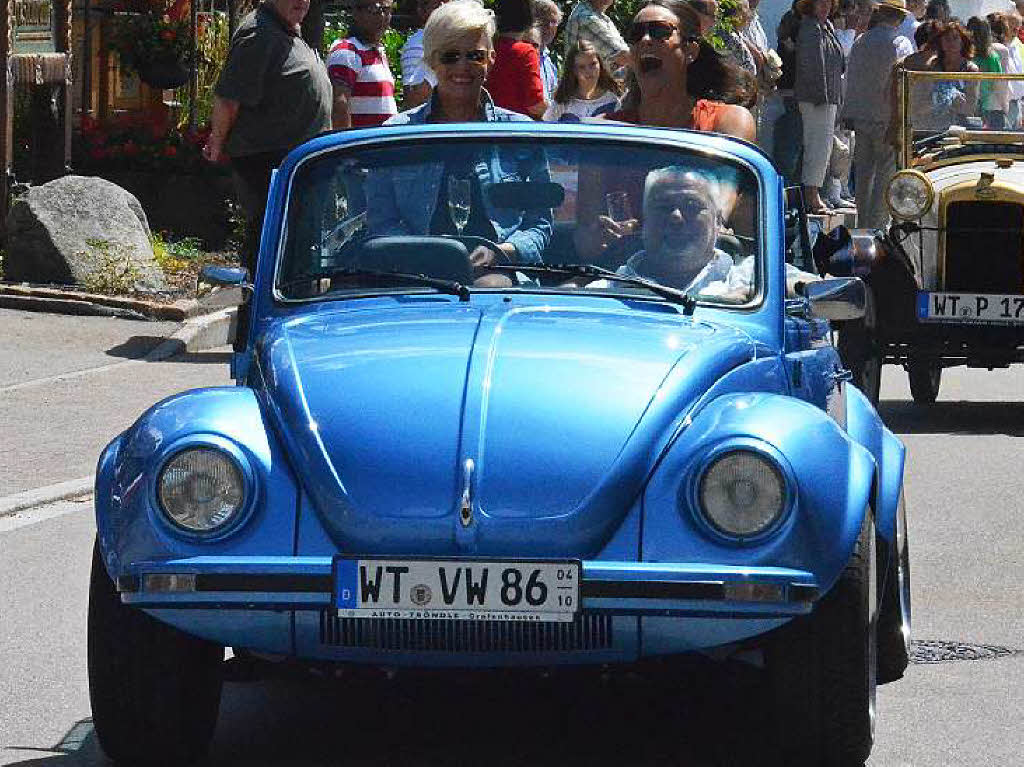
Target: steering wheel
x=472, y=242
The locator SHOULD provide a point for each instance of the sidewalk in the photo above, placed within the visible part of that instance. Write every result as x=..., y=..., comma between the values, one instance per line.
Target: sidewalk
x=69, y=384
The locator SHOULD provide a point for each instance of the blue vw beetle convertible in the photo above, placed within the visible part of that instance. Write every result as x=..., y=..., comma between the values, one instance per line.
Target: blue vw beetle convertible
x=512, y=395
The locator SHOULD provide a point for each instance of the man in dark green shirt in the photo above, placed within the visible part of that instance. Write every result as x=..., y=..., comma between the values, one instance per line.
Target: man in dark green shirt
x=273, y=94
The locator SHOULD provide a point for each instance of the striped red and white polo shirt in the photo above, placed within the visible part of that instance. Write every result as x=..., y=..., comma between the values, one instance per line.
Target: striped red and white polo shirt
x=364, y=70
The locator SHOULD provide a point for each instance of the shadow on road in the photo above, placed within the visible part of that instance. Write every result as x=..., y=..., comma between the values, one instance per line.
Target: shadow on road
x=699, y=716
x=135, y=348
x=983, y=418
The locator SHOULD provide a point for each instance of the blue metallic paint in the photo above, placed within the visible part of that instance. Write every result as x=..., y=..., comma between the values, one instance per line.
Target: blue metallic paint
x=584, y=413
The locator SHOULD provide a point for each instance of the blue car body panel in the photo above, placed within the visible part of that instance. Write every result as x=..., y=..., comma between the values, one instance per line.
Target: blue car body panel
x=587, y=419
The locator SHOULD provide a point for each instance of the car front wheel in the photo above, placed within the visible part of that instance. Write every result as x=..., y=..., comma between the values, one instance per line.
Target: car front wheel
x=822, y=670
x=155, y=691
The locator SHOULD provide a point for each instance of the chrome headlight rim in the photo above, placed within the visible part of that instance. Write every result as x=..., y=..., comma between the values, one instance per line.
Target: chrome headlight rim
x=929, y=194
x=236, y=455
x=691, y=490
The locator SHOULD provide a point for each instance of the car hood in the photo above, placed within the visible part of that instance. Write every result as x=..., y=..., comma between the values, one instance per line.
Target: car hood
x=559, y=409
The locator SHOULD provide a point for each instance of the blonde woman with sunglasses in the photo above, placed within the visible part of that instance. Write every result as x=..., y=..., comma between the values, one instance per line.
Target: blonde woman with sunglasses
x=457, y=45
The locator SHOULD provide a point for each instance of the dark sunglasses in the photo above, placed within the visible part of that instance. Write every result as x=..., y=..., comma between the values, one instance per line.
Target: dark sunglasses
x=479, y=56
x=656, y=30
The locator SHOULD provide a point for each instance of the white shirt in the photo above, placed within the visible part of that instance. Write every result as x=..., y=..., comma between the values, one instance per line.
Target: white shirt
x=1017, y=68
x=414, y=68
x=907, y=28
x=580, y=108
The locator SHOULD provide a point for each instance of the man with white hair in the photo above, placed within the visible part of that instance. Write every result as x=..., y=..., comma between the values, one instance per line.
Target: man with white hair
x=684, y=208
x=547, y=16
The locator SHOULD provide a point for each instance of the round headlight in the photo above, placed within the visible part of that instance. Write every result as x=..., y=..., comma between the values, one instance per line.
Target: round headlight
x=201, y=489
x=742, y=493
x=909, y=195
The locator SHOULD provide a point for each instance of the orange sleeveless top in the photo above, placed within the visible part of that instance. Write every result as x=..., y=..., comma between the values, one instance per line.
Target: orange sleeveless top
x=703, y=118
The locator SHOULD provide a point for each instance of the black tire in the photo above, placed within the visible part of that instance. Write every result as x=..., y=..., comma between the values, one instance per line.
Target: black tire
x=894, y=617
x=860, y=350
x=155, y=691
x=822, y=670
x=925, y=378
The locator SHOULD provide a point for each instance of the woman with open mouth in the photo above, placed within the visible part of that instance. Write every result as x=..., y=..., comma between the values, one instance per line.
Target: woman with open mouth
x=678, y=80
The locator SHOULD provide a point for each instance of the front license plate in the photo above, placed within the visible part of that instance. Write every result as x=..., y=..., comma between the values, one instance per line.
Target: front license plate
x=987, y=308
x=450, y=589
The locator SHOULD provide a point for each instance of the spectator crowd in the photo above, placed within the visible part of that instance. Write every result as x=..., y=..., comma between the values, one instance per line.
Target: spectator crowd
x=820, y=105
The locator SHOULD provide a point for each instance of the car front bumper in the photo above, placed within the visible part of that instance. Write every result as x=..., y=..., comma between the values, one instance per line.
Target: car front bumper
x=629, y=610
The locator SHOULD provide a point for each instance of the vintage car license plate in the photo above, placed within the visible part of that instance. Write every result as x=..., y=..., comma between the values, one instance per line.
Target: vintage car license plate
x=449, y=589
x=970, y=307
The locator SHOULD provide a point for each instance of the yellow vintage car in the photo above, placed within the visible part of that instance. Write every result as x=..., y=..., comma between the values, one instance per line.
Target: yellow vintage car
x=946, y=276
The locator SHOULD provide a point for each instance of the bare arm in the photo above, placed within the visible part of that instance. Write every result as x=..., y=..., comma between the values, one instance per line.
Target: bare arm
x=414, y=95
x=537, y=110
x=341, y=116
x=222, y=120
x=736, y=121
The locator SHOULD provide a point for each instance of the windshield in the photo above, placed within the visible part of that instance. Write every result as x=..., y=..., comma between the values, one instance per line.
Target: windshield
x=531, y=215
x=950, y=115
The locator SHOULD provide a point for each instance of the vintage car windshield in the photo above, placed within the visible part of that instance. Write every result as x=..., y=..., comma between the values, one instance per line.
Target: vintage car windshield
x=952, y=115
x=532, y=215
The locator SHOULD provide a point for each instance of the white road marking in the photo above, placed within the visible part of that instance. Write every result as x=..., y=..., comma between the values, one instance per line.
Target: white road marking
x=66, y=376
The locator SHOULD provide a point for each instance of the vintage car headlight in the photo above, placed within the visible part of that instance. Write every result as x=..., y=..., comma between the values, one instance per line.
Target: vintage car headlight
x=909, y=195
x=742, y=493
x=201, y=489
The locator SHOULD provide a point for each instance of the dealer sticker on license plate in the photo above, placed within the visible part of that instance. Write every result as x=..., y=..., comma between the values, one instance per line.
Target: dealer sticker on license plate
x=450, y=589
x=985, y=308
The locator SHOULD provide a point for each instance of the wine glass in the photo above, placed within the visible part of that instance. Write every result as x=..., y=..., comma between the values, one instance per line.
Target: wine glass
x=460, y=201
x=619, y=209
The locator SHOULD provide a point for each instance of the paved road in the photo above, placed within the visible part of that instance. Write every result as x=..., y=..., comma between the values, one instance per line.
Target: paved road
x=967, y=530
x=69, y=384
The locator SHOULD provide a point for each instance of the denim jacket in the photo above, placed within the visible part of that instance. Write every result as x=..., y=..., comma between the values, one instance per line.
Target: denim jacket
x=401, y=199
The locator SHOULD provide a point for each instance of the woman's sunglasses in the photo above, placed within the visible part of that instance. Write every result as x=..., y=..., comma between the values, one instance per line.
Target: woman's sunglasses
x=479, y=56
x=656, y=30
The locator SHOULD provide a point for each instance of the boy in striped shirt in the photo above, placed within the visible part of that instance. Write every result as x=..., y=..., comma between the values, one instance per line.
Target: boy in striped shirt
x=364, y=88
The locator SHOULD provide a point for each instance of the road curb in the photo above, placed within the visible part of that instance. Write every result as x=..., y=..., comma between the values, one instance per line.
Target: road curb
x=40, y=496
x=205, y=332
x=57, y=300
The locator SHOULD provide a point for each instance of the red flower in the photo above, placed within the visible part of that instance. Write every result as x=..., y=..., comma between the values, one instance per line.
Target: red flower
x=170, y=151
x=168, y=35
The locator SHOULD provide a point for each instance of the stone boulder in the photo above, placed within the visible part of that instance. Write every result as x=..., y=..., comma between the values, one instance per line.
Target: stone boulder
x=81, y=230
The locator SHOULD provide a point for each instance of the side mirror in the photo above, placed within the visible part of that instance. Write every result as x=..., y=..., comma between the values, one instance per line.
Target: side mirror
x=840, y=298
x=225, y=276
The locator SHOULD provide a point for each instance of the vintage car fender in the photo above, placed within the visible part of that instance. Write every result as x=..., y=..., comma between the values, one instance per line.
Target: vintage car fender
x=819, y=528
x=130, y=525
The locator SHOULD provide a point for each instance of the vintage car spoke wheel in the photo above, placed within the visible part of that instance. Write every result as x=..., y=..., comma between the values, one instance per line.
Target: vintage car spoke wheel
x=894, y=618
x=925, y=379
x=155, y=691
x=860, y=351
x=822, y=670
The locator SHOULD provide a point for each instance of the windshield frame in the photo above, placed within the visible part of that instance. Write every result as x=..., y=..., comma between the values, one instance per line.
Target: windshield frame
x=694, y=143
x=907, y=158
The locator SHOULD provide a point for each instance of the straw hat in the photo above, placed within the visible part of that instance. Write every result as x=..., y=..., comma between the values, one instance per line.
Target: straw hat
x=898, y=5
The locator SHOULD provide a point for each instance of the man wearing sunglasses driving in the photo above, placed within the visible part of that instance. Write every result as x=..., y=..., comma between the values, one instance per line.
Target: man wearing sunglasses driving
x=363, y=86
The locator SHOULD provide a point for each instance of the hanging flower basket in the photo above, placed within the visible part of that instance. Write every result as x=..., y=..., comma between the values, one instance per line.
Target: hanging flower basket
x=153, y=44
x=165, y=71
